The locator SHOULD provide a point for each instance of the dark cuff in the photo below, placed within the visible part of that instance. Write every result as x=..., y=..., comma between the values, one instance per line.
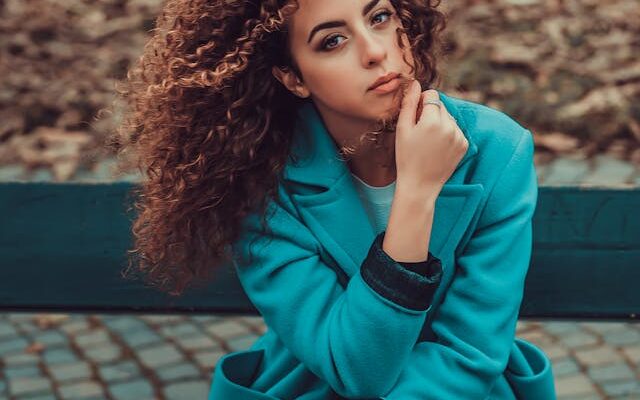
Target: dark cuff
x=409, y=284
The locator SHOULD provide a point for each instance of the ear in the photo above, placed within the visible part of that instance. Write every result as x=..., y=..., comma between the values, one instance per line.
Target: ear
x=289, y=79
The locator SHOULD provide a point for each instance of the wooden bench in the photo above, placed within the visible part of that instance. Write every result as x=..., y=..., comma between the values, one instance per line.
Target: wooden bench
x=63, y=246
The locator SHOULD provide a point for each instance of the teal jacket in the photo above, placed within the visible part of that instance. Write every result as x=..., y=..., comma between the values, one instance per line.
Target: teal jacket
x=347, y=321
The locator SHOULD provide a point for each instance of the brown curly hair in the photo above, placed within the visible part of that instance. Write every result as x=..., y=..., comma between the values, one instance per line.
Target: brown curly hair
x=210, y=128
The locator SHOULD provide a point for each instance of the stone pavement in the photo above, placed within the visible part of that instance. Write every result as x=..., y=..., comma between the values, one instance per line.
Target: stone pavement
x=172, y=357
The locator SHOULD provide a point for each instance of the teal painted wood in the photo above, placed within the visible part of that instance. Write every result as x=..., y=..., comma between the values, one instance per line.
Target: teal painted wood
x=63, y=246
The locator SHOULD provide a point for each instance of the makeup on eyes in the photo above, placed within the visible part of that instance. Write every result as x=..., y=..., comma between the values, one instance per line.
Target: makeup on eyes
x=323, y=44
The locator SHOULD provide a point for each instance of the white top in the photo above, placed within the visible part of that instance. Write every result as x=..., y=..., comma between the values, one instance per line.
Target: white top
x=377, y=202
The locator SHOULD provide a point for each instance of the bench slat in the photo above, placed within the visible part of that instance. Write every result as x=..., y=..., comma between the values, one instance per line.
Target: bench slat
x=63, y=246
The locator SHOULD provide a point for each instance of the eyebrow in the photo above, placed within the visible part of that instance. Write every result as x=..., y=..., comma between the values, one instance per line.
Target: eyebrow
x=340, y=22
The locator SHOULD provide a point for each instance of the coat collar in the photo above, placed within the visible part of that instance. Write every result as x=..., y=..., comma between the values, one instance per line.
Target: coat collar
x=333, y=210
x=313, y=145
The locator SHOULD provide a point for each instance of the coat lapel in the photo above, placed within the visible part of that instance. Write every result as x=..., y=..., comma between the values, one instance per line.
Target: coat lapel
x=324, y=194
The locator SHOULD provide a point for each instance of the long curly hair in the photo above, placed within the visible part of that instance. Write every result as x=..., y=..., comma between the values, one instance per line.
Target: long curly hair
x=210, y=128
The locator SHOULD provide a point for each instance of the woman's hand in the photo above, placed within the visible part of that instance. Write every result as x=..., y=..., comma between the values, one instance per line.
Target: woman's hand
x=429, y=143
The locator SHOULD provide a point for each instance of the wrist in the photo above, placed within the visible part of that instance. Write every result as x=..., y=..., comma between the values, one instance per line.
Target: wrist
x=412, y=193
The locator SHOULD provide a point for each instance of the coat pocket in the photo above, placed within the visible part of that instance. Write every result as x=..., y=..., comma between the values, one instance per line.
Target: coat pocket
x=233, y=375
x=529, y=372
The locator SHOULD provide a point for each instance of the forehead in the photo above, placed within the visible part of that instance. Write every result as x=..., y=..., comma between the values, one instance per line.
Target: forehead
x=315, y=11
x=312, y=12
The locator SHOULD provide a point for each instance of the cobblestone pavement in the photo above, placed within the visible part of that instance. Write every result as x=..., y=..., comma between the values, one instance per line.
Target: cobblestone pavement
x=172, y=357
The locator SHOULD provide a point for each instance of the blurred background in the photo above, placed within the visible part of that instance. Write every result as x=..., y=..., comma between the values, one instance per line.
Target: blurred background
x=566, y=69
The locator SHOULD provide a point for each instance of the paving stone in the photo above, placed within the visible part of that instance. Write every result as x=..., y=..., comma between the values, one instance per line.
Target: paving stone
x=6, y=329
x=120, y=371
x=582, y=397
x=162, y=319
x=608, y=171
x=566, y=171
x=50, y=338
x=559, y=328
x=124, y=324
x=611, y=372
x=12, y=172
x=39, y=397
x=209, y=359
x=157, y=356
x=21, y=359
x=71, y=371
x=75, y=326
x=573, y=386
x=196, y=343
x=134, y=390
x=28, y=327
x=104, y=353
x=12, y=346
x=555, y=351
x=92, y=338
x=227, y=329
x=541, y=172
x=623, y=337
x=242, y=342
x=173, y=372
x=598, y=356
x=80, y=390
x=39, y=175
x=258, y=320
x=628, y=388
x=537, y=336
x=203, y=319
x=141, y=337
x=565, y=366
x=22, y=386
x=59, y=355
x=187, y=390
x=603, y=327
x=30, y=371
x=19, y=317
x=183, y=329
x=633, y=353
x=579, y=339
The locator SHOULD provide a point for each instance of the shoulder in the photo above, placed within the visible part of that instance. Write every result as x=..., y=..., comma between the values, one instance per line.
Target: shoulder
x=498, y=137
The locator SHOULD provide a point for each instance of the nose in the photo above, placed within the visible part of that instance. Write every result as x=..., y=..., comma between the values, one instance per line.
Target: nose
x=374, y=49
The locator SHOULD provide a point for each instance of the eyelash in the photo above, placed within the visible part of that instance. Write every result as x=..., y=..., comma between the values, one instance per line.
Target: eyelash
x=323, y=46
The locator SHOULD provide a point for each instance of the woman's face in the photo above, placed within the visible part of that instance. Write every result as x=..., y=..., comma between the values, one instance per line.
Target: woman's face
x=341, y=47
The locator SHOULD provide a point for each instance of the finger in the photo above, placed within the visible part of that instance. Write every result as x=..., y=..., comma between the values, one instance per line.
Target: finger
x=430, y=112
x=409, y=103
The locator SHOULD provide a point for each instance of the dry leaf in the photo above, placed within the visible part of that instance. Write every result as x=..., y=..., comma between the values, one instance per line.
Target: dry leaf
x=557, y=142
x=45, y=321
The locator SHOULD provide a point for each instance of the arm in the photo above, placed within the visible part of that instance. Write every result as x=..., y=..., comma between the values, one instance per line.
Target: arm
x=476, y=322
x=356, y=338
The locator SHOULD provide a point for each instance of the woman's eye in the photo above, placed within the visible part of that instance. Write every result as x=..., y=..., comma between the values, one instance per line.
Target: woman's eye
x=331, y=38
x=388, y=13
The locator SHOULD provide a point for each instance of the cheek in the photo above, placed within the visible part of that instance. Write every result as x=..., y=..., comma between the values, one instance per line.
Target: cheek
x=334, y=80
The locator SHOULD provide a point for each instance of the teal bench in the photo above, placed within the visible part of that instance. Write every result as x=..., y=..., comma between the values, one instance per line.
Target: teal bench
x=63, y=247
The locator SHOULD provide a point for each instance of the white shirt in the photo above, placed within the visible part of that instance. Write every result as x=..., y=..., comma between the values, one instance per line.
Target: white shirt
x=377, y=202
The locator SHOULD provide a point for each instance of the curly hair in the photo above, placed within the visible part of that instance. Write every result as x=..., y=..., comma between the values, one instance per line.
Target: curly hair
x=210, y=128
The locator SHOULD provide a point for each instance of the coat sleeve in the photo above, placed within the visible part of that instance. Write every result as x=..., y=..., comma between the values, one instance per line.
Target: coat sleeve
x=476, y=322
x=357, y=338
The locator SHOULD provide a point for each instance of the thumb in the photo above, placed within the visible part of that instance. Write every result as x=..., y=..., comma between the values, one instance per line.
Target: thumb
x=407, y=114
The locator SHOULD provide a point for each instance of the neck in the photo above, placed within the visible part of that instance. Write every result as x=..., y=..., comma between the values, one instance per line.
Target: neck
x=374, y=165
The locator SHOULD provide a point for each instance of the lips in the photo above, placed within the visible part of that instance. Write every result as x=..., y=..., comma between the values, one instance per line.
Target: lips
x=384, y=79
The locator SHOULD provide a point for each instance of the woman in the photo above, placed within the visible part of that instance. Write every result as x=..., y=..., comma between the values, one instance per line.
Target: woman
x=382, y=231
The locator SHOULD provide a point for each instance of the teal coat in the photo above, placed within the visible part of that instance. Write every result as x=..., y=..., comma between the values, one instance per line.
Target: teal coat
x=326, y=341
